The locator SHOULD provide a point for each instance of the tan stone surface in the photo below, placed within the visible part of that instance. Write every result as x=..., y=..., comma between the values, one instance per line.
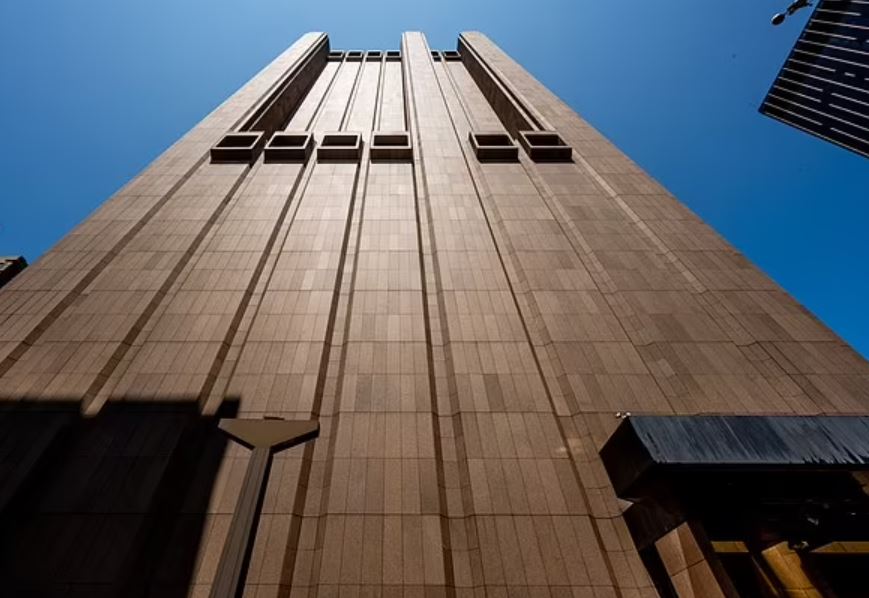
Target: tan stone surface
x=464, y=332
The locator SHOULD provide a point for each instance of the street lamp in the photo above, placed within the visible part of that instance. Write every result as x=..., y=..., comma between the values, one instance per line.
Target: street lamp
x=264, y=438
x=796, y=5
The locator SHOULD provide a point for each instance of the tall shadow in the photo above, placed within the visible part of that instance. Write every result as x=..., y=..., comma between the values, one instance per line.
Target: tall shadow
x=112, y=505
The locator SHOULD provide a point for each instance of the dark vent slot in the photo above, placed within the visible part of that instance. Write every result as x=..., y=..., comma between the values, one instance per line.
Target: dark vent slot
x=237, y=148
x=289, y=147
x=10, y=267
x=545, y=146
x=493, y=147
x=391, y=146
x=340, y=146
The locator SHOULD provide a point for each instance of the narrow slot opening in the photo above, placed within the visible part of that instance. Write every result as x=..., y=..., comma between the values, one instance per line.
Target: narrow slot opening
x=340, y=146
x=544, y=139
x=289, y=147
x=348, y=140
x=545, y=146
x=493, y=140
x=493, y=146
x=282, y=140
x=237, y=147
x=391, y=140
x=238, y=140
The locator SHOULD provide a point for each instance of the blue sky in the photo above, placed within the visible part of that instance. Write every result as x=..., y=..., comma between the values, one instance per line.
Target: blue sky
x=93, y=90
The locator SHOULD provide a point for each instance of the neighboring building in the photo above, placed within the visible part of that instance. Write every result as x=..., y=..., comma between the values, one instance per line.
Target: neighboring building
x=10, y=266
x=463, y=283
x=823, y=87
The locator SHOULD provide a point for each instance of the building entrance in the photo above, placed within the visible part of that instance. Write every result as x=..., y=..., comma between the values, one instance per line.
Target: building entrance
x=746, y=506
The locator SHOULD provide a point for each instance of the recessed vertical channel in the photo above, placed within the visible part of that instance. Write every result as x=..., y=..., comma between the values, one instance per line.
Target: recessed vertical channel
x=304, y=116
x=288, y=344
x=392, y=117
x=134, y=257
x=182, y=325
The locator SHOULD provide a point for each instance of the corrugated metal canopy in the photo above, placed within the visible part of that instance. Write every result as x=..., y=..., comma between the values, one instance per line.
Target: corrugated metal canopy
x=645, y=446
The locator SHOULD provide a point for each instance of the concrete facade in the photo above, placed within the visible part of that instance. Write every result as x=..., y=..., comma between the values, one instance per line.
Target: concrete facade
x=464, y=331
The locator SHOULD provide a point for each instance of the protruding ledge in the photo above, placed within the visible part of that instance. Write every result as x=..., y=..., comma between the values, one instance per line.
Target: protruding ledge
x=392, y=146
x=493, y=147
x=340, y=146
x=647, y=448
x=336, y=56
x=273, y=434
x=287, y=146
x=393, y=56
x=355, y=56
x=237, y=148
x=374, y=55
x=435, y=55
x=10, y=267
x=545, y=146
x=451, y=56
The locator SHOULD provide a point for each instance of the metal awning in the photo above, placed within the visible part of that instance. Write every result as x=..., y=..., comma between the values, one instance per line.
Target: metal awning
x=645, y=448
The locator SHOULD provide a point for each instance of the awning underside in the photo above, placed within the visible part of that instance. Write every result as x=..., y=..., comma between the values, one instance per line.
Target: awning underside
x=644, y=448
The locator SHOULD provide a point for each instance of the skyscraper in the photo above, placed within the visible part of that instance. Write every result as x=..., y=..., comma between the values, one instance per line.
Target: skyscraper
x=823, y=87
x=520, y=351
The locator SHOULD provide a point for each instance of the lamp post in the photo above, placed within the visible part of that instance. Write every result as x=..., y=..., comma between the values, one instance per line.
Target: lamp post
x=796, y=5
x=264, y=437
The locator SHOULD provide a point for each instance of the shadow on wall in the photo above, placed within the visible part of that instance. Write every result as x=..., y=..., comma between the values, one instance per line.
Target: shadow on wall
x=112, y=505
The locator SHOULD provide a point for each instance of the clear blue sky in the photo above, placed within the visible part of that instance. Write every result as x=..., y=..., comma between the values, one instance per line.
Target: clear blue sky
x=93, y=90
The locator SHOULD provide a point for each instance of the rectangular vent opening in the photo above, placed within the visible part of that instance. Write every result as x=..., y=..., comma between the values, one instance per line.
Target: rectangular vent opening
x=289, y=147
x=393, y=56
x=493, y=147
x=391, y=146
x=340, y=139
x=435, y=55
x=238, y=140
x=374, y=55
x=451, y=55
x=493, y=139
x=355, y=55
x=336, y=56
x=545, y=146
x=340, y=146
x=10, y=267
x=237, y=147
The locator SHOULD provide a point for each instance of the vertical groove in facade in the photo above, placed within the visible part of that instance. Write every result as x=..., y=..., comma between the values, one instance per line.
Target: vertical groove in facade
x=447, y=437
x=464, y=566
x=150, y=192
x=625, y=180
x=550, y=373
x=463, y=331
